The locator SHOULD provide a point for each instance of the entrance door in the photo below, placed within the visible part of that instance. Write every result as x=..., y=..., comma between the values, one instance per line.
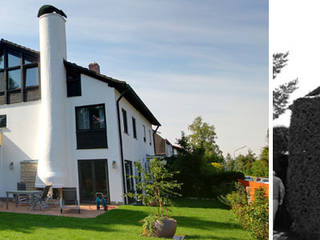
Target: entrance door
x=93, y=178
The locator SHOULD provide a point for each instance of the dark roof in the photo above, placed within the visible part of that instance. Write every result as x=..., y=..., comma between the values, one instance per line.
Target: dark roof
x=18, y=47
x=121, y=86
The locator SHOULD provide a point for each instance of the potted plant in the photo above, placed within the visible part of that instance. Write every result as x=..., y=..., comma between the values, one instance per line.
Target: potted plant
x=155, y=188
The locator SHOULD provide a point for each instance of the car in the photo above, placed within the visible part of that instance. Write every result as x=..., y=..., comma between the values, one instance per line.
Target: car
x=262, y=180
x=248, y=178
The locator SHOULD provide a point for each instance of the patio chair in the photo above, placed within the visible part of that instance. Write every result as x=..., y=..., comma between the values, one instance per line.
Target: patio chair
x=69, y=200
x=21, y=186
x=41, y=200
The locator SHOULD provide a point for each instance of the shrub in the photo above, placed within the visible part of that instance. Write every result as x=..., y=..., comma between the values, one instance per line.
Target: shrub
x=196, y=183
x=252, y=216
x=303, y=175
x=148, y=227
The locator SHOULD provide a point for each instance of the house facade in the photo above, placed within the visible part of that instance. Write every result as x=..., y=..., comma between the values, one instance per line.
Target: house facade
x=163, y=147
x=65, y=125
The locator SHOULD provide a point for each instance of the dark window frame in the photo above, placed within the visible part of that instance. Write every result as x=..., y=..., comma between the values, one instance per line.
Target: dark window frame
x=125, y=121
x=144, y=133
x=5, y=121
x=82, y=133
x=134, y=127
x=150, y=138
x=73, y=83
x=22, y=93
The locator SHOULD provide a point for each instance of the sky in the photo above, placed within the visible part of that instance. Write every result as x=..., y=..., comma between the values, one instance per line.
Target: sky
x=184, y=58
x=294, y=27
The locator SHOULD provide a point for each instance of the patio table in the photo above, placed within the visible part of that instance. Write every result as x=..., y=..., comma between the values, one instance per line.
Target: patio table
x=17, y=193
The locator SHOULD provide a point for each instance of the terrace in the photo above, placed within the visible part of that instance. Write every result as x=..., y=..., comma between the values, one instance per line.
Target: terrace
x=53, y=209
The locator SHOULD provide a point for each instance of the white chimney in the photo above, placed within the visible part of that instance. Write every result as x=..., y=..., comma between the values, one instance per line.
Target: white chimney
x=52, y=167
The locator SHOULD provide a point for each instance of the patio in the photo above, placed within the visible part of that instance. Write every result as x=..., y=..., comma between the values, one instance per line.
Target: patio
x=86, y=211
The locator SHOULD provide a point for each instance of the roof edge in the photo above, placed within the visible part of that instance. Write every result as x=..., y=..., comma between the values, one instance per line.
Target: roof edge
x=120, y=86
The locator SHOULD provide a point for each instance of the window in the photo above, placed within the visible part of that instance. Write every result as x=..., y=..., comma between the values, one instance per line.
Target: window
x=150, y=140
x=91, y=127
x=125, y=122
x=134, y=127
x=14, y=79
x=32, y=77
x=144, y=133
x=19, y=75
x=73, y=83
x=14, y=59
x=2, y=84
x=3, y=121
x=1, y=60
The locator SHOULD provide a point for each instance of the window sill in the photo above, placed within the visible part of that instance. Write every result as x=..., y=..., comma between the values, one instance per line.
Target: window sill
x=94, y=148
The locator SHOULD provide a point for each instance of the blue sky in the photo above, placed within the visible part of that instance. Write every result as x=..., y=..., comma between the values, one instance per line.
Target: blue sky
x=183, y=58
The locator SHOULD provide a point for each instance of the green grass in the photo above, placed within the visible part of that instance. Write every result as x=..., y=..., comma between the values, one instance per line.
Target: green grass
x=196, y=219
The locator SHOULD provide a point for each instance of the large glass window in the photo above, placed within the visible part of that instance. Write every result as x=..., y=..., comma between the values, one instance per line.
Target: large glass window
x=14, y=79
x=19, y=75
x=32, y=77
x=13, y=60
x=91, y=127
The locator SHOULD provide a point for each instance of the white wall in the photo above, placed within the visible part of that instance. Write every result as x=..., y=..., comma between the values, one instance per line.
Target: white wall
x=20, y=141
x=135, y=149
x=169, y=150
x=52, y=169
x=21, y=137
x=96, y=92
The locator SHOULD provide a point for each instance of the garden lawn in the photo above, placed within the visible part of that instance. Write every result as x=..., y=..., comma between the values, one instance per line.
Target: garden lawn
x=198, y=219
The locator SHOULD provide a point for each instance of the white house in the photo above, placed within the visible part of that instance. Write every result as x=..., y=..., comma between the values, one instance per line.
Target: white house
x=78, y=128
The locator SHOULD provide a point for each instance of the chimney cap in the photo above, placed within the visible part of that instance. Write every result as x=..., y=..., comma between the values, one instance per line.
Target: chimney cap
x=50, y=9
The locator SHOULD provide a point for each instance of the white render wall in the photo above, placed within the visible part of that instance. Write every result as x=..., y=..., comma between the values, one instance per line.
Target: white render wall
x=22, y=135
x=97, y=92
x=20, y=141
x=52, y=164
x=135, y=149
x=169, y=150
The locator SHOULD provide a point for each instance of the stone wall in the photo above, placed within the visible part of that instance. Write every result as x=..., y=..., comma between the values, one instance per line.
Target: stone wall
x=28, y=173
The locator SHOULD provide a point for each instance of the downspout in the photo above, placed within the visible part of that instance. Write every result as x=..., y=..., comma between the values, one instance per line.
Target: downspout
x=121, y=148
x=154, y=142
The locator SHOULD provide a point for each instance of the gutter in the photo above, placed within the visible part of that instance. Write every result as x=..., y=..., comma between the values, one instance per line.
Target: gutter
x=125, y=199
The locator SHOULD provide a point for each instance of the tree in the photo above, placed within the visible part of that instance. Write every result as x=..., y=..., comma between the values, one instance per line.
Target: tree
x=200, y=163
x=203, y=136
x=279, y=61
x=155, y=187
x=282, y=93
x=243, y=163
x=260, y=168
x=229, y=163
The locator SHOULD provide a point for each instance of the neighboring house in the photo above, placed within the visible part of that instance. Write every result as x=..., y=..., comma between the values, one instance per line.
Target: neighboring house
x=163, y=147
x=66, y=125
x=176, y=149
